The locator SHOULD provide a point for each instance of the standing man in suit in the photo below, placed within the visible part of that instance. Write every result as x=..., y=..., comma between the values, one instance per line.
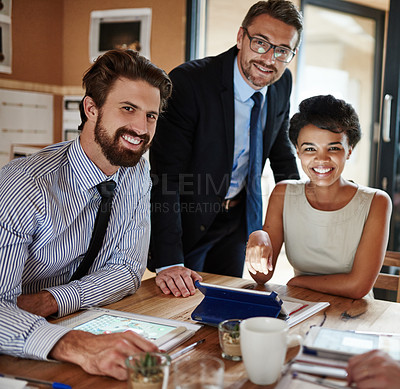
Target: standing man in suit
x=204, y=193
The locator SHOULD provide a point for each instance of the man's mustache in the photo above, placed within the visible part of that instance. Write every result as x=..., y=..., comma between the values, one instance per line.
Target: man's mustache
x=125, y=131
x=269, y=67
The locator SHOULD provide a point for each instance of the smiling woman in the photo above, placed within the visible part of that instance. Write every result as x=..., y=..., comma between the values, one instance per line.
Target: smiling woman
x=335, y=231
x=323, y=155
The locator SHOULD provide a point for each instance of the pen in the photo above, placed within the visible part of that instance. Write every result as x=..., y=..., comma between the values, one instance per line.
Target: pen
x=325, y=371
x=186, y=349
x=375, y=333
x=318, y=380
x=54, y=385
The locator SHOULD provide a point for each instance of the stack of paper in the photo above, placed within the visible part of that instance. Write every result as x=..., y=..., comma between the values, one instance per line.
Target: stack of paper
x=11, y=383
x=299, y=310
x=326, y=367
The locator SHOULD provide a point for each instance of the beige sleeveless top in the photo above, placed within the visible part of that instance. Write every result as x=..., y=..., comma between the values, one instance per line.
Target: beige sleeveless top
x=323, y=242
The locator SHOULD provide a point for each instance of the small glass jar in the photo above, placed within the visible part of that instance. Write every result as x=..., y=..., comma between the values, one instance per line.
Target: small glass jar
x=229, y=339
x=148, y=370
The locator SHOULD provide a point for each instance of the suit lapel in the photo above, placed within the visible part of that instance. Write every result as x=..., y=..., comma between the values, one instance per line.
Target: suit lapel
x=228, y=103
x=269, y=125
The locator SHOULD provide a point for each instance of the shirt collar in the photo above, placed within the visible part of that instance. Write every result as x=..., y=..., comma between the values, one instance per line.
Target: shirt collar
x=87, y=174
x=243, y=91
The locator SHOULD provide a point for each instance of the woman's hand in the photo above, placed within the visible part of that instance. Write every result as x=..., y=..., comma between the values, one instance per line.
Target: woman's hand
x=259, y=253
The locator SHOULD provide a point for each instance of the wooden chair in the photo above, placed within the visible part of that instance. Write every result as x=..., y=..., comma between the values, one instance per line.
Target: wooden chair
x=390, y=281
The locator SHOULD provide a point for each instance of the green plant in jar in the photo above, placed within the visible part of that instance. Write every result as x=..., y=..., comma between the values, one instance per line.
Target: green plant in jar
x=148, y=370
x=229, y=336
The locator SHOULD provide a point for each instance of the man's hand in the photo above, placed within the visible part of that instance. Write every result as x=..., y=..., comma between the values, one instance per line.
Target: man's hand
x=42, y=303
x=101, y=354
x=179, y=280
x=374, y=370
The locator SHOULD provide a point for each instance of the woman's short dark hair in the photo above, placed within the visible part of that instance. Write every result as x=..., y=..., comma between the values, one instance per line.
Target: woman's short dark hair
x=328, y=113
x=114, y=64
x=283, y=10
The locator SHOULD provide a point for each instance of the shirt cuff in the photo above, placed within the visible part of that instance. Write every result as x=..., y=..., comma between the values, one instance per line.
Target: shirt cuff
x=167, y=267
x=42, y=340
x=67, y=297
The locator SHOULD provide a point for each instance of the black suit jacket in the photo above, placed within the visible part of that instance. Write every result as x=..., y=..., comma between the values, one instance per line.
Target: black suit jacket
x=192, y=153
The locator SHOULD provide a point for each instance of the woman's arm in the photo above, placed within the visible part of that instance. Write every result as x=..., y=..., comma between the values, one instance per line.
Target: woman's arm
x=367, y=261
x=264, y=245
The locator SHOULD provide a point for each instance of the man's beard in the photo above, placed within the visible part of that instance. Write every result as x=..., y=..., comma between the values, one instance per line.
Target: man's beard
x=113, y=151
x=259, y=81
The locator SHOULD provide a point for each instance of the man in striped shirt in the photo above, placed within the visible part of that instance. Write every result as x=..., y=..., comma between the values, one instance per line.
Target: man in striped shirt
x=48, y=205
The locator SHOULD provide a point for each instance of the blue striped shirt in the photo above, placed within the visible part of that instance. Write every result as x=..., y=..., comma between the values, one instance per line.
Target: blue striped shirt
x=48, y=205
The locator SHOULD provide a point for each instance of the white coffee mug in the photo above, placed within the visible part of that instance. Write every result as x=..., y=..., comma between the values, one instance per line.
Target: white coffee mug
x=264, y=341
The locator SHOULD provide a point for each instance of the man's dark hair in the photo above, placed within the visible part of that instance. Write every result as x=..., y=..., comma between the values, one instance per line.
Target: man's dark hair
x=327, y=113
x=283, y=10
x=115, y=64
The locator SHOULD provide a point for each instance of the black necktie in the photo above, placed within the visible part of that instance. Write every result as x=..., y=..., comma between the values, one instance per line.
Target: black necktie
x=106, y=190
x=254, y=199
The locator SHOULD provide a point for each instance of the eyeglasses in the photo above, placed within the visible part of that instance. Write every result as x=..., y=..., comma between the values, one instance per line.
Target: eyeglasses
x=261, y=46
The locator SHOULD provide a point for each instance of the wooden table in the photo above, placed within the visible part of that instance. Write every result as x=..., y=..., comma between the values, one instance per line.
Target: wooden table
x=343, y=313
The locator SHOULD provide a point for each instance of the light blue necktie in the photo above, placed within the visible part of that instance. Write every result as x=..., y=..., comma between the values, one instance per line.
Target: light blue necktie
x=254, y=199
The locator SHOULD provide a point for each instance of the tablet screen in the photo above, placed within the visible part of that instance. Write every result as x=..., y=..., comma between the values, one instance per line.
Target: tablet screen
x=353, y=343
x=345, y=341
x=108, y=324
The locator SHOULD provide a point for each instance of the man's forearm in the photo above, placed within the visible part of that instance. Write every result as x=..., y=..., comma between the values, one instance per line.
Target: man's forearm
x=42, y=303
